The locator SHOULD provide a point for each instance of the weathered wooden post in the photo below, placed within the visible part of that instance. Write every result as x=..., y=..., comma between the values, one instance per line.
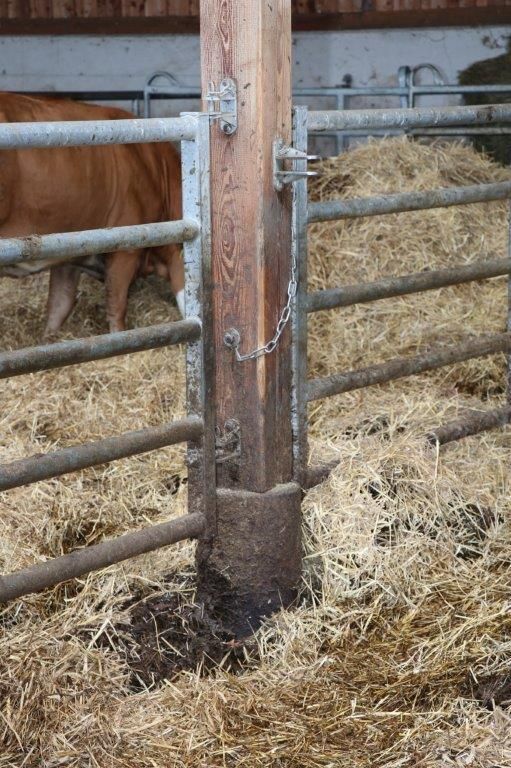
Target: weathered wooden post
x=251, y=564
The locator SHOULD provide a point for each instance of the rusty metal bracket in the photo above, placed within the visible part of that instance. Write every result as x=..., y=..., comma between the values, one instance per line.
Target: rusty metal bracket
x=283, y=156
x=228, y=442
x=223, y=104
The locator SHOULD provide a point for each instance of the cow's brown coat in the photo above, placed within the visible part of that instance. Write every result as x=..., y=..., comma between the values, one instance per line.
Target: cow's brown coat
x=43, y=191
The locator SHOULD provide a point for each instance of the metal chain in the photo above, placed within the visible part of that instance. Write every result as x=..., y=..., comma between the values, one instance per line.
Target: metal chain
x=232, y=338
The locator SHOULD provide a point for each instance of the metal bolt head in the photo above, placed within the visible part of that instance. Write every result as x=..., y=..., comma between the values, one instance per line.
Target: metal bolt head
x=232, y=338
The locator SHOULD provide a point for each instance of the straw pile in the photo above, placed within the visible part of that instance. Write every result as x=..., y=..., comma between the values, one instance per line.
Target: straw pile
x=399, y=652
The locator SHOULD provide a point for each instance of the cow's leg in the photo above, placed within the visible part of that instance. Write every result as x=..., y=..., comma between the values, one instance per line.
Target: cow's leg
x=177, y=278
x=64, y=280
x=121, y=270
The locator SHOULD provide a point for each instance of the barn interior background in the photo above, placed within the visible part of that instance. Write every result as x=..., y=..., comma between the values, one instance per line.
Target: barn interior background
x=81, y=44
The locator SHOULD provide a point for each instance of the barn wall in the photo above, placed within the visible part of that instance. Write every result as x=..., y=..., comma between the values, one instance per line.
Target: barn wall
x=322, y=58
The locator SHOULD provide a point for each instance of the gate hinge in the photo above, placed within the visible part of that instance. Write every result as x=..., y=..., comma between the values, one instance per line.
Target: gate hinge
x=284, y=156
x=223, y=104
x=228, y=442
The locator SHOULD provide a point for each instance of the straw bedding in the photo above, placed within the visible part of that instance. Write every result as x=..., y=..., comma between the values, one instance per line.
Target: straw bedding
x=399, y=652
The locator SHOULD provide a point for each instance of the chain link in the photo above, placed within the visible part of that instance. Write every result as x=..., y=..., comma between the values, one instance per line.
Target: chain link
x=232, y=338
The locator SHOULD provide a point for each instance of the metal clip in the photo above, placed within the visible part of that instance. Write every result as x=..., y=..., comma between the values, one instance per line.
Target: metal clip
x=282, y=175
x=223, y=104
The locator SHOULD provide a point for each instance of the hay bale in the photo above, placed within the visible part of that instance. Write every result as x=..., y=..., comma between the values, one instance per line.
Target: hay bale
x=401, y=636
x=493, y=71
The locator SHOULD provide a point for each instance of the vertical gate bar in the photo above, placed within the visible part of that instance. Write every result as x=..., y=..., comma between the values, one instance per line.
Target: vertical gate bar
x=340, y=138
x=300, y=316
x=199, y=361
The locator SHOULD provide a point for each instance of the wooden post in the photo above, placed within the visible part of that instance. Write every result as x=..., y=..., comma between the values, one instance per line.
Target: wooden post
x=252, y=565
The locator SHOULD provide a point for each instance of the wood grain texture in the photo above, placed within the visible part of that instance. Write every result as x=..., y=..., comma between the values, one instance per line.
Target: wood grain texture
x=251, y=42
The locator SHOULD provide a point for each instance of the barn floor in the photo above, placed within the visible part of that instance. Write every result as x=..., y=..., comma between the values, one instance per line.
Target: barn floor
x=399, y=652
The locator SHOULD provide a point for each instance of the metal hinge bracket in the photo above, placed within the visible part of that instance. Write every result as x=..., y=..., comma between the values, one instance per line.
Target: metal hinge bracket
x=223, y=104
x=284, y=156
x=228, y=442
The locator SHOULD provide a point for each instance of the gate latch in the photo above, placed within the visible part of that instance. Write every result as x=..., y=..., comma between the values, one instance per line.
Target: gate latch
x=285, y=156
x=223, y=104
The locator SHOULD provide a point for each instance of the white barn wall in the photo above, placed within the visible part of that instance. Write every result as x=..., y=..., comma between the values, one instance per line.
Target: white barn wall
x=372, y=57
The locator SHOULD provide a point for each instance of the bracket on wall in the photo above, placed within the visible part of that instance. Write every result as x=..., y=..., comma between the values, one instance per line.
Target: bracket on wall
x=283, y=156
x=223, y=104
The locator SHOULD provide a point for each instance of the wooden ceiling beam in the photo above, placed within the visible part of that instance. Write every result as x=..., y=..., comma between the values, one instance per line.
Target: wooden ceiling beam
x=321, y=22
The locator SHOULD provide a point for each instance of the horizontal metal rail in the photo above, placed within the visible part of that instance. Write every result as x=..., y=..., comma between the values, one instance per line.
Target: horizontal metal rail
x=389, y=287
x=194, y=92
x=401, y=367
x=62, y=353
x=407, y=118
x=496, y=130
x=68, y=246
x=80, y=133
x=472, y=423
x=83, y=561
x=47, y=465
x=357, y=207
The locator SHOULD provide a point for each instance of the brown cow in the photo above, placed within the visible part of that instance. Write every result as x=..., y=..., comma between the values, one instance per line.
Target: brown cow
x=43, y=191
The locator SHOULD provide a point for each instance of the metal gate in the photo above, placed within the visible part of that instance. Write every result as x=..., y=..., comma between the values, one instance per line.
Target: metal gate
x=192, y=131
x=198, y=428
x=305, y=213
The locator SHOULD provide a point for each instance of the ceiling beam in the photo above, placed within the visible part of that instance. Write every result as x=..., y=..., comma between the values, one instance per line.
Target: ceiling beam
x=321, y=22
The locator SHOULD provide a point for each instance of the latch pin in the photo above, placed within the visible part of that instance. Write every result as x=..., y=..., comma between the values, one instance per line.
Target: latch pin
x=282, y=152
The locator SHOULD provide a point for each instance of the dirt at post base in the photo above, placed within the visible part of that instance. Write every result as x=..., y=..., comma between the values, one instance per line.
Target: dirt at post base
x=171, y=632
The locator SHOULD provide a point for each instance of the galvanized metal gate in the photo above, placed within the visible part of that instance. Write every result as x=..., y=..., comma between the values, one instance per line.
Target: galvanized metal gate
x=198, y=428
x=306, y=213
x=193, y=231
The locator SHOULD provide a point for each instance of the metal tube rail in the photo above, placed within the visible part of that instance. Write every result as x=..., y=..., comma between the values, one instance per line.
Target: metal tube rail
x=388, y=287
x=68, y=246
x=401, y=367
x=406, y=118
x=47, y=465
x=62, y=353
x=496, y=130
x=334, y=210
x=80, y=133
x=194, y=92
x=473, y=423
x=97, y=556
